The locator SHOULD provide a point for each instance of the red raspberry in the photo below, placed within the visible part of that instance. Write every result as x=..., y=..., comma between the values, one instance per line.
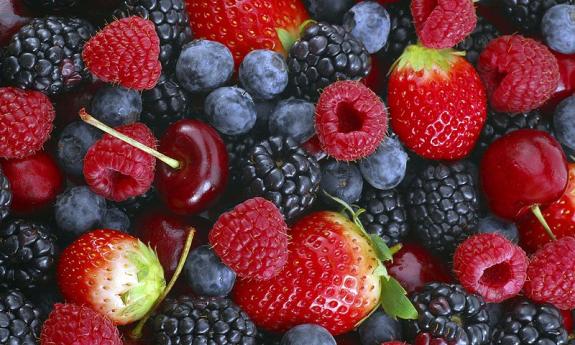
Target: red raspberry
x=394, y=343
x=252, y=239
x=520, y=74
x=443, y=23
x=70, y=324
x=26, y=119
x=350, y=120
x=126, y=52
x=550, y=276
x=117, y=170
x=491, y=266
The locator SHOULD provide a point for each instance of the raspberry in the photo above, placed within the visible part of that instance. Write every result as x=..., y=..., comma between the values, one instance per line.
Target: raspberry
x=117, y=170
x=550, y=276
x=25, y=122
x=350, y=120
x=126, y=52
x=70, y=324
x=443, y=23
x=252, y=239
x=491, y=266
x=519, y=73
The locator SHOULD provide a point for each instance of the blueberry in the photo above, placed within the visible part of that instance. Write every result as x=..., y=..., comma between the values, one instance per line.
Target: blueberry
x=342, y=180
x=369, y=22
x=379, y=328
x=385, y=168
x=116, y=106
x=558, y=28
x=116, y=219
x=264, y=74
x=230, y=110
x=78, y=210
x=328, y=10
x=74, y=142
x=492, y=224
x=293, y=118
x=204, y=66
x=307, y=334
x=206, y=274
x=564, y=122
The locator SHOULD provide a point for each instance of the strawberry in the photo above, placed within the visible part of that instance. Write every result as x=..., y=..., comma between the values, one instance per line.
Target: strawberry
x=437, y=102
x=113, y=273
x=245, y=25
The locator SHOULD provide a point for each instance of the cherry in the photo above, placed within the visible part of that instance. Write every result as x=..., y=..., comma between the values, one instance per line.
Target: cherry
x=12, y=19
x=35, y=182
x=566, y=85
x=68, y=104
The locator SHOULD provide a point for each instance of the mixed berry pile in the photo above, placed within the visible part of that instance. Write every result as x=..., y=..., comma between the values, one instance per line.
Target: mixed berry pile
x=294, y=172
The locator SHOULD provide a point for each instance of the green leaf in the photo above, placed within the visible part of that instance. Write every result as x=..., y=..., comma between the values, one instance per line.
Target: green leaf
x=286, y=38
x=381, y=249
x=394, y=300
x=380, y=271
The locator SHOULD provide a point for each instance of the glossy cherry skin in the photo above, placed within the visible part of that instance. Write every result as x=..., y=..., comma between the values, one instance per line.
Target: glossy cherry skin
x=414, y=266
x=203, y=172
x=12, y=17
x=35, y=182
x=523, y=169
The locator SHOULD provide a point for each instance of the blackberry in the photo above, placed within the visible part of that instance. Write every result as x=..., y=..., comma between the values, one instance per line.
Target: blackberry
x=51, y=6
x=202, y=320
x=527, y=14
x=238, y=148
x=529, y=323
x=385, y=214
x=323, y=55
x=46, y=55
x=282, y=172
x=133, y=206
x=171, y=21
x=446, y=311
x=474, y=44
x=402, y=32
x=165, y=104
x=27, y=254
x=443, y=205
x=20, y=319
x=265, y=338
x=5, y=196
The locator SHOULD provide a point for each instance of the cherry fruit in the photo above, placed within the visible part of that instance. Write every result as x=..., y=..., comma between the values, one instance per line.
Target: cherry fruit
x=12, y=19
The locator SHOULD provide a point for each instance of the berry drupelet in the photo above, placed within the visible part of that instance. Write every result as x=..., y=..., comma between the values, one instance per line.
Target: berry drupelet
x=527, y=14
x=135, y=205
x=165, y=104
x=21, y=322
x=238, y=148
x=402, y=31
x=5, y=196
x=51, y=6
x=474, y=44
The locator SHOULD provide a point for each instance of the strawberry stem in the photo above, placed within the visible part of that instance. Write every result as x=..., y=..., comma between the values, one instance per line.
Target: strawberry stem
x=89, y=119
x=537, y=213
x=136, y=333
x=396, y=248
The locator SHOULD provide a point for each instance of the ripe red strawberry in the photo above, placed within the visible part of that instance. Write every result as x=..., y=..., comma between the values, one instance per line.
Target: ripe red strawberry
x=125, y=52
x=113, y=273
x=71, y=324
x=245, y=25
x=437, y=102
x=252, y=239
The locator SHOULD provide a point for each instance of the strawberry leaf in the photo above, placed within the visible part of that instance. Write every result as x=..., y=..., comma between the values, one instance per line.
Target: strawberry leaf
x=381, y=249
x=394, y=300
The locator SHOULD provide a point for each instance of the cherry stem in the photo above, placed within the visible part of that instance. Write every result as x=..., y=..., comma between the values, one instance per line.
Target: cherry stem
x=89, y=119
x=136, y=333
x=537, y=213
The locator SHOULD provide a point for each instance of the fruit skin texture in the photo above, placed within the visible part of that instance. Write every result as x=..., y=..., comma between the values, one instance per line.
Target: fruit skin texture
x=113, y=273
x=125, y=52
x=519, y=73
x=437, y=103
x=511, y=180
x=328, y=279
x=71, y=324
x=21, y=319
x=26, y=120
x=252, y=239
x=351, y=120
x=550, y=277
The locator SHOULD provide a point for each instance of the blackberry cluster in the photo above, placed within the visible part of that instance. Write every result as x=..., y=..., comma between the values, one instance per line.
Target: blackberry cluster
x=134, y=205
x=51, y=6
x=46, y=55
x=448, y=312
x=165, y=104
x=474, y=44
x=402, y=31
x=202, y=320
x=238, y=148
x=5, y=196
x=325, y=54
x=527, y=14
x=529, y=323
x=282, y=172
x=443, y=205
x=384, y=215
x=20, y=320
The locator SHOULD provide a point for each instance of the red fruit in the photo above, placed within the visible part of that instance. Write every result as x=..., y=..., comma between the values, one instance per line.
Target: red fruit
x=252, y=239
x=248, y=24
x=394, y=343
x=427, y=339
x=443, y=23
x=523, y=169
x=437, y=103
x=520, y=74
x=550, y=276
x=566, y=85
x=70, y=324
x=491, y=266
x=26, y=120
x=125, y=52
x=35, y=182
x=113, y=273
x=350, y=120
x=12, y=19
x=117, y=170
x=68, y=104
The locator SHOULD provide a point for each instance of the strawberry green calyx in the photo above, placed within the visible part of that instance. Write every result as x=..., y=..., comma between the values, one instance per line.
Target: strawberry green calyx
x=288, y=38
x=419, y=58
